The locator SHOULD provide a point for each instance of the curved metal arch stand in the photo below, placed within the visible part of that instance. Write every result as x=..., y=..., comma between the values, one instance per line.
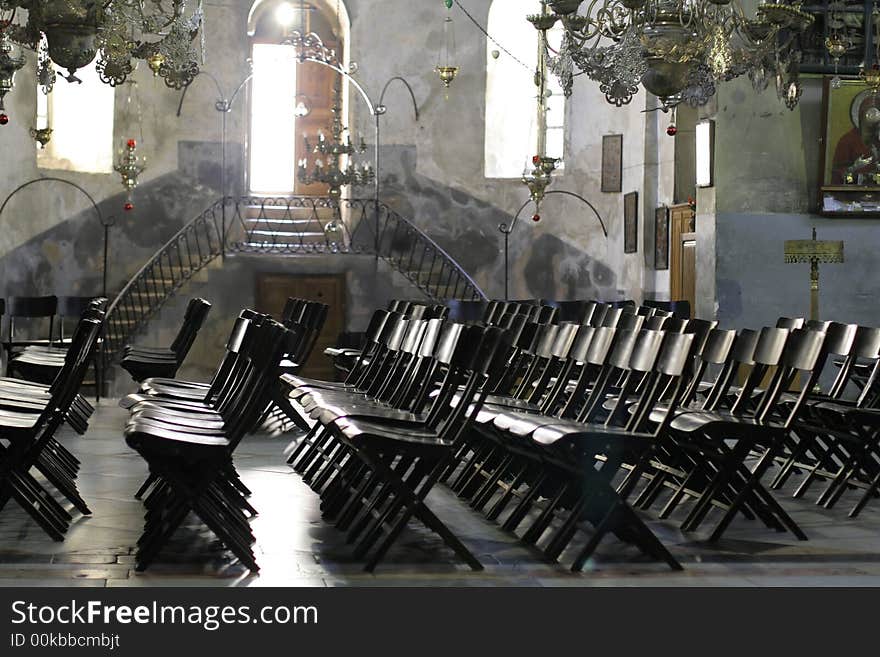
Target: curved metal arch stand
x=106, y=224
x=506, y=230
x=224, y=106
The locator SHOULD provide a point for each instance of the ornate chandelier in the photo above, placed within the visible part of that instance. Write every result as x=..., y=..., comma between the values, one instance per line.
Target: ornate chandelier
x=70, y=34
x=335, y=172
x=679, y=50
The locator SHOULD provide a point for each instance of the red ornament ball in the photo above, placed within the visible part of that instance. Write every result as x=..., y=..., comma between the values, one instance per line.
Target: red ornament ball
x=128, y=207
x=132, y=143
x=4, y=119
x=536, y=160
x=536, y=218
x=672, y=131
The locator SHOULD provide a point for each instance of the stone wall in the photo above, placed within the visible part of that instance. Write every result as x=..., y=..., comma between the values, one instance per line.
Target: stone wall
x=767, y=168
x=432, y=169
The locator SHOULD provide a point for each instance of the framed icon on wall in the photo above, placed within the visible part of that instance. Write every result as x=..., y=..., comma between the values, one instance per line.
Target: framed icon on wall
x=612, y=163
x=850, y=161
x=661, y=238
x=631, y=222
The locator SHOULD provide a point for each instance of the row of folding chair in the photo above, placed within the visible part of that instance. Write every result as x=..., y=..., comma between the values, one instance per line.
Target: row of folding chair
x=597, y=383
x=391, y=382
x=55, y=316
x=344, y=357
x=697, y=457
x=380, y=441
x=30, y=415
x=668, y=412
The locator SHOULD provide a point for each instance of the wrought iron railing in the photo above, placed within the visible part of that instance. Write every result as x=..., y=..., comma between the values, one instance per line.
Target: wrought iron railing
x=310, y=225
x=172, y=266
x=284, y=226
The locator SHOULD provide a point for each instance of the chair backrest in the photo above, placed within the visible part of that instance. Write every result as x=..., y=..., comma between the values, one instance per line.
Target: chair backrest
x=612, y=317
x=599, y=312
x=701, y=329
x=466, y=311
x=839, y=341
x=768, y=352
x=713, y=350
x=790, y=323
x=740, y=355
x=44, y=307
x=633, y=360
x=578, y=312
x=479, y=361
x=804, y=356
x=668, y=379
x=74, y=308
x=655, y=322
x=374, y=328
x=293, y=309
x=193, y=318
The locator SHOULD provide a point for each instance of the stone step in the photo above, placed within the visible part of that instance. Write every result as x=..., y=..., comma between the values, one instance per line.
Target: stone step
x=284, y=212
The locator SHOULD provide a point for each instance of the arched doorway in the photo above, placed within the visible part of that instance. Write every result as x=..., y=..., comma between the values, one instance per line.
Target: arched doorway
x=289, y=99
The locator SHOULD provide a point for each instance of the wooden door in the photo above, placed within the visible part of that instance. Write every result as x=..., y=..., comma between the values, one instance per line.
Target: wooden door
x=314, y=86
x=683, y=260
x=272, y=293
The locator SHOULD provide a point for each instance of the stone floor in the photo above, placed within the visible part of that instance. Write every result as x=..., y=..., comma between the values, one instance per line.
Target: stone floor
x=296, y=548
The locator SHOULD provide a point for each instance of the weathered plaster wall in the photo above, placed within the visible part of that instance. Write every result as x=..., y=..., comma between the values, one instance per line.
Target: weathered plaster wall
x=432, y=169
x=767, y=171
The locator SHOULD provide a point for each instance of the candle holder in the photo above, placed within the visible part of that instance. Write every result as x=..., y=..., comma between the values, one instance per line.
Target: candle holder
x=813, y=251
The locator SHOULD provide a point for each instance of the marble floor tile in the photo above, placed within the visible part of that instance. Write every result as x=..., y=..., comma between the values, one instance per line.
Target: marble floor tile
x=295, y=547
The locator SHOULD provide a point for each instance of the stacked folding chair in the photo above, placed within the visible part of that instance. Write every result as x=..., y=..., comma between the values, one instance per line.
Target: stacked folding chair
x=188, y=442
x=28, y=424
x=37, y=364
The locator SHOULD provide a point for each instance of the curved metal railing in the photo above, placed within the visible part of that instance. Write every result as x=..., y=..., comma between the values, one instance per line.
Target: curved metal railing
x=313, y=225
x=170, y=268
x=284, y=226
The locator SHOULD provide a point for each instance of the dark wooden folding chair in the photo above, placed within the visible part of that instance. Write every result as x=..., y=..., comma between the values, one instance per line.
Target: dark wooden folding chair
x=146, y=362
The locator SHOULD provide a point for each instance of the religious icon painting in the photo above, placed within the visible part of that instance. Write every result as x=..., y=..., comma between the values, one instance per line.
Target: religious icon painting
x=850, y=175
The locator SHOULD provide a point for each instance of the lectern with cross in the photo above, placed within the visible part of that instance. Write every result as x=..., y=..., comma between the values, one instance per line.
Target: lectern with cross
x=813, y=252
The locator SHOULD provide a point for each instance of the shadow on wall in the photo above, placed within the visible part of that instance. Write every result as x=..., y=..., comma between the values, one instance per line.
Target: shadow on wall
x=556, y=270
x=467, y=229
x=67, y=259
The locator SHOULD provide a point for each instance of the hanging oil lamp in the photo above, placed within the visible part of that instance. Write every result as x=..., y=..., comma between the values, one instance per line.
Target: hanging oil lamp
x=155, y=63
x=9, y=65
x=446, y=70
x=41, y=135
x=130, y=164
x=538, y=180
x=672, y=128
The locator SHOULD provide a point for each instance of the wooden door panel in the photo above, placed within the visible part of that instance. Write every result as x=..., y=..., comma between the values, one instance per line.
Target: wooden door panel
x=272, y=293
x=688, y=272
x=314, y=86
x=682, y=262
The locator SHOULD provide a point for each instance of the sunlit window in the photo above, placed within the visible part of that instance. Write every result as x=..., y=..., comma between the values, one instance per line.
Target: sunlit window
x=273, y=131
x=511, y=107
x=81, y=118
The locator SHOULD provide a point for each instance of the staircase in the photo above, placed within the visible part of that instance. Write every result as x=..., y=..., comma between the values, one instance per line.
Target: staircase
x=283, y=226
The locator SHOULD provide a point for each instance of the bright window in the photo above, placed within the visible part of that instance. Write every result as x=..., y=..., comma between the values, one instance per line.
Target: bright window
x=81, y=117
x=511, y=103
x=273, y=131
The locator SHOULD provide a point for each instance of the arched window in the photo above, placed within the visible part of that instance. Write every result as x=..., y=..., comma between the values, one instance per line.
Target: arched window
x=511, y=107
x=289, y=99
x=81, y=118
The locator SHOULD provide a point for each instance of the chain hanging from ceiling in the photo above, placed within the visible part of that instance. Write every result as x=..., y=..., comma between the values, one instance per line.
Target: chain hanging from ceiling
x=679, y=50
x=71, y=34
